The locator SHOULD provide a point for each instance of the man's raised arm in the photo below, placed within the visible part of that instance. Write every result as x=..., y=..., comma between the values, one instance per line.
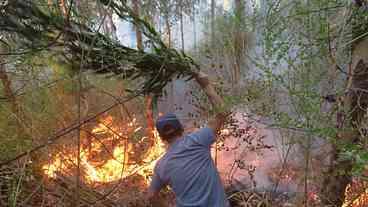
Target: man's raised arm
x=217, y=102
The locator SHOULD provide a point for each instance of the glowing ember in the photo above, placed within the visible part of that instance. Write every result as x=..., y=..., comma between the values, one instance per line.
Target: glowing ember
x=313, y=197
x=98, y=164
x=356, y=194
x=225, y=132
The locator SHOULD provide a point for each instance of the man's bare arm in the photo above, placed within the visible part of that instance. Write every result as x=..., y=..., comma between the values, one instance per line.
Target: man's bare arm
x=154, y=199
x=152, y=195
x=217, y=122
x=218, y=103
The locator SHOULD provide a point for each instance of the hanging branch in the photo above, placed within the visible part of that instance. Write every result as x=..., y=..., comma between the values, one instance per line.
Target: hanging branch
x=154, y=69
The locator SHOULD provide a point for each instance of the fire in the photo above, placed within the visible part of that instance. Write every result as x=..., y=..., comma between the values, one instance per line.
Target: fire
x=98, y=164
x=313, y=197
x=356, y=194
x=112, y=170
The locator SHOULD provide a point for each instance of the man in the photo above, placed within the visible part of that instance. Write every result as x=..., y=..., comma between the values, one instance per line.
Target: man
x=187, y=167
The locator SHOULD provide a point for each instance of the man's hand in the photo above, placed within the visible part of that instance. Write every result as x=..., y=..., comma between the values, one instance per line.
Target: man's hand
x=203, y=80
x=218, y=121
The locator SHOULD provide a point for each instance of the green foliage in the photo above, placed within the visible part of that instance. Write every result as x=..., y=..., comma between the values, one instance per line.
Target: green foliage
x=169, y=9
x=298, y=40
x=298, y=37
x=11, y=143
x=360, y=24
x=91, y=50
x=226, y=27
x=359, y=156
x=16, y=189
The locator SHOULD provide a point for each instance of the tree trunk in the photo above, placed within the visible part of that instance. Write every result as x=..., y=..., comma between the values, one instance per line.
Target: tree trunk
x=23, y=131
x=213, y=7
x=63, y=7
x=49, y=3
x=337, y=177
x=339, y=173
x=111, y=25
x=9, y=95
x=238, y=41
x=168, y=30
x=138, y=32
x=171, y=86
x=194, y=28
x=148, y=98
x=181, y=28
x=108, y=25
x=149, y=117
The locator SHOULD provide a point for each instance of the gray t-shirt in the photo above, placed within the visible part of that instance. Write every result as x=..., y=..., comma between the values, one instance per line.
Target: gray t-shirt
x=188, y=168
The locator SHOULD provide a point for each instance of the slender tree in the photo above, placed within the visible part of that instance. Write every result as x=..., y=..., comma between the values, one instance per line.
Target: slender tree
x=11, y=98
x=213, y=9
x=181, y=24
x=194, y=26
x=238, y=41
x=148, y=103
x=352, y=106
x=63, y=7
x=8, y=92
x=138, y=32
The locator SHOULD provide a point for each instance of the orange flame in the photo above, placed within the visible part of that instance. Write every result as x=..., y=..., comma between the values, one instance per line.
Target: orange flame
x=113, y=168
x=356, y=194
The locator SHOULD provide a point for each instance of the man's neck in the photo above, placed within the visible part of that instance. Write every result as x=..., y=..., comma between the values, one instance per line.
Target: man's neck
x=173, y=140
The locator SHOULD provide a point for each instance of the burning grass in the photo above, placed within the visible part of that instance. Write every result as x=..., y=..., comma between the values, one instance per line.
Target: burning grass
x=117, y=163
x=356, y=194
x=108, y=153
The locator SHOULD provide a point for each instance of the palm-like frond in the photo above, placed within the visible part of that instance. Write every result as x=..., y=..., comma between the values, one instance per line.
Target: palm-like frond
x=41, y=29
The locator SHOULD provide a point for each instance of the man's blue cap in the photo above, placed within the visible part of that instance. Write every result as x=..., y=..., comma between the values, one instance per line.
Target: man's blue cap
x=166, y=120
